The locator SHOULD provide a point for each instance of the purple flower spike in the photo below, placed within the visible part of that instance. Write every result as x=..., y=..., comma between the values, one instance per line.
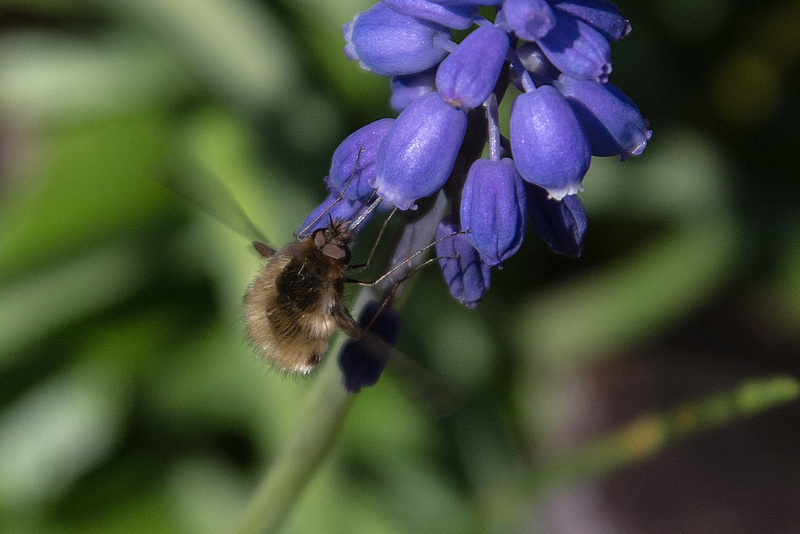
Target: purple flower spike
x=529, y=19
x=406, y=89
x=390, y=43
x=577, y=49
x=493, y=209
x=467, y=76
x=560, y=223
x=602, y=15
x=612, y=121
x=320, y=217
x=455, y=16
x=361, y=146
x=549, y=147
x=362, y=361
x=557, y=54
x=465, y=272
x=417, y=155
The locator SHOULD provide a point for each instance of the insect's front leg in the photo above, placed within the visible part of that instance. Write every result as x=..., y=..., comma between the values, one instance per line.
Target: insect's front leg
x=374, y=246
x=346, y=323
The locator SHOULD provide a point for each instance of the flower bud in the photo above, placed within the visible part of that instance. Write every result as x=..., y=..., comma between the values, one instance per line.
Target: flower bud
x=361, y=148
x=577, y=49
x=529, y=19
x=417, y=155
x=493, y=209
x=559, y=223
x=362, y=361
x=549, y=147
x=466, y=77
x=455, y=16
x=465, y=272
x=611, y=120
x=602, y=15
x=390, y=43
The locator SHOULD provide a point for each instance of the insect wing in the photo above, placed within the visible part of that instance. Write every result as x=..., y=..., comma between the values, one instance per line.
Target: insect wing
x=263, y=249
x=217, y=200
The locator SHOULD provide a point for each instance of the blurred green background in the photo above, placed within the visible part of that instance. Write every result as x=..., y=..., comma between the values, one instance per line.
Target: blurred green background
x=647, y=387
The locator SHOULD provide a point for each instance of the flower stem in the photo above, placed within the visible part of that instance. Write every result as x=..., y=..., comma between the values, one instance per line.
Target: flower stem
x=302, y=453
x=493, y=120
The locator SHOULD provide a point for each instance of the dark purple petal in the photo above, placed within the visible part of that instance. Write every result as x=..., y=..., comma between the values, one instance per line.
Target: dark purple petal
x=390, y=43
x=529, y=19
x=406, y=89
x=611, y=120
x=465, y=272
x=362, y=366
x=455, y=16
x=493, y=209
x=361, y=146
x=602, y=15
x=577, y=49
x=549, y=146
x=560, y=223
x=417, y=155
x=320, y=217
x=466, y=77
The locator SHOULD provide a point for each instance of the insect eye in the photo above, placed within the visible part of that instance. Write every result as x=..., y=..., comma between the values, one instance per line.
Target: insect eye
x=319, y=238
x=335, y=252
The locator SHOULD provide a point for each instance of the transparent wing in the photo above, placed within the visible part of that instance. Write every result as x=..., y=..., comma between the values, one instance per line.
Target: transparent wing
x=217, y=200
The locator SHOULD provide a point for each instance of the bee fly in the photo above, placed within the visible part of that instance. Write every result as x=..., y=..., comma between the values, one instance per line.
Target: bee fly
x=296, y=302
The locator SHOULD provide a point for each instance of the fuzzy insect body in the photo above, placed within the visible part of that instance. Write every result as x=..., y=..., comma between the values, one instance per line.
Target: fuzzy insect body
x=296, y=302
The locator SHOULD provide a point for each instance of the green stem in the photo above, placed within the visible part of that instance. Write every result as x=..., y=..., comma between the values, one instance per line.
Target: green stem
x=320, y=419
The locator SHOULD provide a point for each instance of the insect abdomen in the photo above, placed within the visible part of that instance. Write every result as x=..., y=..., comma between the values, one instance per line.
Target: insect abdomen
x=288, y=308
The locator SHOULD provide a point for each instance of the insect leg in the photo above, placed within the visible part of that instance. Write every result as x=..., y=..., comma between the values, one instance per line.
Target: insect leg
x=407, y=260
x=396, y=285
x=346, y=323
x=374, y=246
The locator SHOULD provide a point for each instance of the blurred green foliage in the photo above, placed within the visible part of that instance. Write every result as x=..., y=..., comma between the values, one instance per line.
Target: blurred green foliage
x=130, y=401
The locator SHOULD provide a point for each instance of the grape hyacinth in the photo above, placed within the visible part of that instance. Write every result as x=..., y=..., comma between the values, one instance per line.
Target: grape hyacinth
x=556, y=56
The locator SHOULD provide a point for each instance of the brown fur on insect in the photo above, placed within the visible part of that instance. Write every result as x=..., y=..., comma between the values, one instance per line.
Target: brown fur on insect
x=296, y=302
